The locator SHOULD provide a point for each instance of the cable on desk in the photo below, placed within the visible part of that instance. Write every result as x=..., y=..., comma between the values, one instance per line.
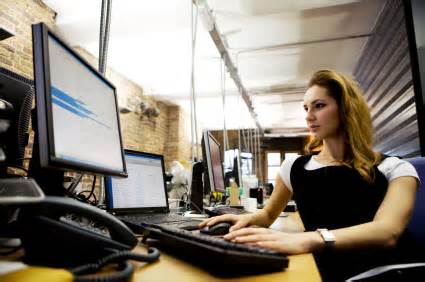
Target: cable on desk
x=126, y=269
x=120, y=258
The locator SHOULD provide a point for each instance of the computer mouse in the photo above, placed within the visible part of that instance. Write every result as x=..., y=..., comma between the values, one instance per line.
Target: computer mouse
x=221, y=228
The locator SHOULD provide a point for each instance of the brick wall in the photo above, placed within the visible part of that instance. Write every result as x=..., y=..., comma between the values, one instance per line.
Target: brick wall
x=139, y=132
x=17, y=16
x=178, y=140
x=166, y=134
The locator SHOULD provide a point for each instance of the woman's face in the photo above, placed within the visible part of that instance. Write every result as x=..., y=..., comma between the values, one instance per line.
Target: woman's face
x=322, y=113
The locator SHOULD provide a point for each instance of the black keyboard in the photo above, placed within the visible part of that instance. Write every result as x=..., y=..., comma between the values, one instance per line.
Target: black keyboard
x=137, y=222
x=215, y=211
x=155, y=218
x=217, y=254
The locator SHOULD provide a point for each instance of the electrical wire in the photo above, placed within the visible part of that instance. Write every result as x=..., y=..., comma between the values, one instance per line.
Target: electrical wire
x=194, y=126
x=223, y=93
x=105, y=19
x=106, y=35
x=80, y=196
x=120, y=258
x=74, y=183
x=101, y=32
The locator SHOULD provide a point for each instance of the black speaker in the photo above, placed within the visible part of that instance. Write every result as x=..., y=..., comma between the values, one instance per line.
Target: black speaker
x=197, y=188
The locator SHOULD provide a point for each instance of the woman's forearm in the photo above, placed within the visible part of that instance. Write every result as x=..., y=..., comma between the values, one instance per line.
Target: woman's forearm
x=262, y=218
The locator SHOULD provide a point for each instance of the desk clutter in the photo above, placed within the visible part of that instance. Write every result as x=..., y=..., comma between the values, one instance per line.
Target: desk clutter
x=59, y=232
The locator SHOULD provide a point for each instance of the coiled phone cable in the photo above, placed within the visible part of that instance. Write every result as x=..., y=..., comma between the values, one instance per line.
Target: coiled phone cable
x=126, y=269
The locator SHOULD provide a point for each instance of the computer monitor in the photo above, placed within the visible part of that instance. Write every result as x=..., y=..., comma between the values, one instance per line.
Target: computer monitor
x=17, y=91
x=213, y=176
x=145, y=187
x=77, y=120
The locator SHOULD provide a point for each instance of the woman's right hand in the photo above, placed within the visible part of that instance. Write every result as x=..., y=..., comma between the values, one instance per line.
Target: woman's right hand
x=238, y=221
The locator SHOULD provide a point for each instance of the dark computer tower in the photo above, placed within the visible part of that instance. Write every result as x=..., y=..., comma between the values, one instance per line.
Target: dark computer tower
x=197, y=188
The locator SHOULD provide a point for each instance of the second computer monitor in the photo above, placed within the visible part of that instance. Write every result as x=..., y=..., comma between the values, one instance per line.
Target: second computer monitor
x=214, y=177
x=144, y=189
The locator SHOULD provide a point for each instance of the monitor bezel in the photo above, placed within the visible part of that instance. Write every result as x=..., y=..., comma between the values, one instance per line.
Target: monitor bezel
x=44, y=130
x=108, y=183
x=206, y=137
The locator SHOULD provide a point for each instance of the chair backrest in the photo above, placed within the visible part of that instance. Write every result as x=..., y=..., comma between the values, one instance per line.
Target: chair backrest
x=417, y=223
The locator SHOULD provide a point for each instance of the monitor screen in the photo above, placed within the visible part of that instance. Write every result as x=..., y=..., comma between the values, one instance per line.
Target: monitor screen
x=143, y=188
x=213, y=163
x=77, y=115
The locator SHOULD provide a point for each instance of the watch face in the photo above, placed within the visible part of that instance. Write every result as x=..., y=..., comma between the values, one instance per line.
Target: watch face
x=327, y=236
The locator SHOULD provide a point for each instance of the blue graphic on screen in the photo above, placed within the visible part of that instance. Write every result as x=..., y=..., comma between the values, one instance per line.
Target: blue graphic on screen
x=72, y=105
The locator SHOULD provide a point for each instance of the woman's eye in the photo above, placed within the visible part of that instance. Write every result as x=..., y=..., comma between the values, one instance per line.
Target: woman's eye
x=319, y=105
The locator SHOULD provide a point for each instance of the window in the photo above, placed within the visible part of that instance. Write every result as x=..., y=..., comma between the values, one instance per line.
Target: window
x=273, y=165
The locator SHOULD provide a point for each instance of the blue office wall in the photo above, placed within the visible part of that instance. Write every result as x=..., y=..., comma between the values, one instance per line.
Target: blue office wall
x=384, y=72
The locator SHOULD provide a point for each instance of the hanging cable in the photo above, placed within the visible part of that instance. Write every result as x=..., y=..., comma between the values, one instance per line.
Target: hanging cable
x=248, y=148
x=258, y=153
x=238, y=156
x=223, y=93
x=106, y=36
x=254, y=143
x=244, y=145
x=260, y=162
x=105, y=22
x=251, y=149
x=254, y=151
x=102, y=32
x=194, y=126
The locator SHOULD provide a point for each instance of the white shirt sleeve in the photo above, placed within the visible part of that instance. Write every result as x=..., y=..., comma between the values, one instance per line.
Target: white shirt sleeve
x=285, y=170
x=393, y=167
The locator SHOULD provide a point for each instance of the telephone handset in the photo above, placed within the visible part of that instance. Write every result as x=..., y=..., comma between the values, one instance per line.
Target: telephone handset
x=62, y=232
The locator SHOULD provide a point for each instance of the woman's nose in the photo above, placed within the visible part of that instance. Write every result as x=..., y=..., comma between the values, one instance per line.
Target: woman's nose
x=309, y=115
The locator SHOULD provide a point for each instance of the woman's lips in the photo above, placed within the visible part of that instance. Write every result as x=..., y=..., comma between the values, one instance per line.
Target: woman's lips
x=314, y=127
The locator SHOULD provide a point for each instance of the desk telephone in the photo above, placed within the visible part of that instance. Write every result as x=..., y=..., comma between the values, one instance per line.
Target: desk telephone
x=52, y=237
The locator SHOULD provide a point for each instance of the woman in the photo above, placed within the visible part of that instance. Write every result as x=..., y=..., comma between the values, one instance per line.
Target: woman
x=346, y=188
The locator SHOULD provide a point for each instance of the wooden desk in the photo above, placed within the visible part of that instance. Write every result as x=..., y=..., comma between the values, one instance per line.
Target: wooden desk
x=168, y=268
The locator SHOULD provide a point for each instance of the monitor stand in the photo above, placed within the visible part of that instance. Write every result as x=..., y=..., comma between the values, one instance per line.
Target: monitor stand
x=49, y=180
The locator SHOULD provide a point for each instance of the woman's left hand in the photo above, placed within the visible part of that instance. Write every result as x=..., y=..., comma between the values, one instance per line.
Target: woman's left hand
x=288, y=243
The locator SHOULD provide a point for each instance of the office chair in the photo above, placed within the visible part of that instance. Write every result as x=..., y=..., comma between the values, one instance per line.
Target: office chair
x=416, y=227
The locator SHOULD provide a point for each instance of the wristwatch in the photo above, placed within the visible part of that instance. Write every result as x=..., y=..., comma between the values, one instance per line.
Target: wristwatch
x=327, y=236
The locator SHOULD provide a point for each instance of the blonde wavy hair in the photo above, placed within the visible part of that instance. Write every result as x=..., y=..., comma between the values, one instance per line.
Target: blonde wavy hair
x=355, y=121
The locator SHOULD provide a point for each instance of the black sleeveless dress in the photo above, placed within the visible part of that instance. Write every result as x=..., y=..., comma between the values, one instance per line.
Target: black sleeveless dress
x=336, y=197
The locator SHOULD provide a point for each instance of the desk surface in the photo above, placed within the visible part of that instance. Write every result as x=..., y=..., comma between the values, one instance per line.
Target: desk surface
x=168, y=268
